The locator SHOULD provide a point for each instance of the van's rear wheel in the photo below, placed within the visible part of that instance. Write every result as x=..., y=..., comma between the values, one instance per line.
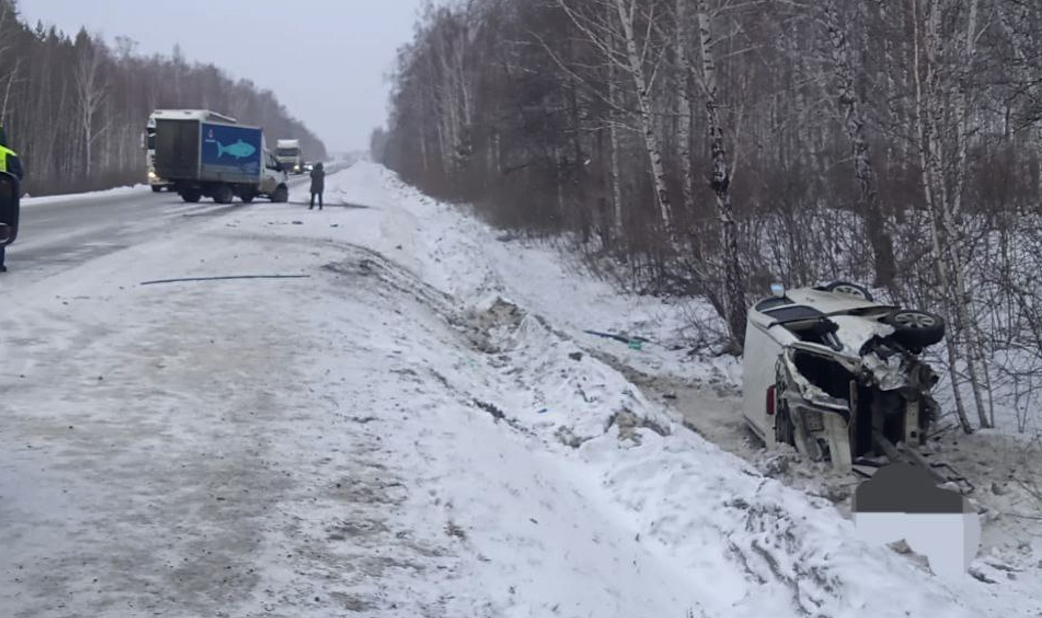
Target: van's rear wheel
x=224, y=195
x=191, y=196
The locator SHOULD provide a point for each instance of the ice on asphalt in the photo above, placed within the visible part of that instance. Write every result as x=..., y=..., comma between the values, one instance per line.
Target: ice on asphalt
x=420, y=428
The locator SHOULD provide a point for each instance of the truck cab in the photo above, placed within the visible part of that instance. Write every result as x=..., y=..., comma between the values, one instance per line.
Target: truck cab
x=273, y=176
x=288, y=152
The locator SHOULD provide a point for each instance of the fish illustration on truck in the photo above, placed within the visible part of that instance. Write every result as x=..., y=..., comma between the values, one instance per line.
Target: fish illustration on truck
x=239, y=150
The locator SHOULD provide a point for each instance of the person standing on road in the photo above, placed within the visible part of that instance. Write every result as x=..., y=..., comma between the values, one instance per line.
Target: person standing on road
x=318, y=185
x=10, y=164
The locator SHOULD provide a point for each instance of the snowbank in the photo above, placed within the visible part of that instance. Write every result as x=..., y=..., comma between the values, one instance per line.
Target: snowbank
x=744, y=544
x=29, y=201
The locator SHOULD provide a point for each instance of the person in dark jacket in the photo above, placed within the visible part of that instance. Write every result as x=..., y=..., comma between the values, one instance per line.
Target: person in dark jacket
x=11, y=164
x=318, y=185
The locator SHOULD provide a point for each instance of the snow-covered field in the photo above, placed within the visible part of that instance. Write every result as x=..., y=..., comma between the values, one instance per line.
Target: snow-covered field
x=417, y=426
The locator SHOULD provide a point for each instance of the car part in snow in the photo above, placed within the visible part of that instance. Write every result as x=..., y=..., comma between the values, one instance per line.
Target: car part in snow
x=226, y=278
x=630, y=341
x=851, y=289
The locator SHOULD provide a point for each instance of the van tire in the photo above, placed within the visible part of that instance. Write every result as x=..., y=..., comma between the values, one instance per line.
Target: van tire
x=280, y=195
x=223, y=194
x=916, y=329
x=850, y=289
x=191, y=197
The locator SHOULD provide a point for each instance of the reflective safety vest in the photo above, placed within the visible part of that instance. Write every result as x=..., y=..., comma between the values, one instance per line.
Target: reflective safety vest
x=4, y=153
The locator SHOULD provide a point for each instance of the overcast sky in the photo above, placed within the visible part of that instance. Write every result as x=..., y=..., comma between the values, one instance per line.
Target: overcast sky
x=325, y=59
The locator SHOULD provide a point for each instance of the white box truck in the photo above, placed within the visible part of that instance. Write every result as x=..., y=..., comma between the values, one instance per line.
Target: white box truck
x=221, y=160
x=290, y=155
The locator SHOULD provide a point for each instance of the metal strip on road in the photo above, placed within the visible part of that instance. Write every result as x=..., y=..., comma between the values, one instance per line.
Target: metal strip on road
x=225, y=278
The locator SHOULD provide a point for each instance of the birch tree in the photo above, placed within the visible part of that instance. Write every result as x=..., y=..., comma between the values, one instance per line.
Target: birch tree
x=943, y=197
x=854, y=124
x=91, y=91
x=684, y=102
x=603, y=23
x=720, y=181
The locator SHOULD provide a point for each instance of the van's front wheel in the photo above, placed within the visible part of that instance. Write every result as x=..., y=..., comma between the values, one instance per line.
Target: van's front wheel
x=280, y=195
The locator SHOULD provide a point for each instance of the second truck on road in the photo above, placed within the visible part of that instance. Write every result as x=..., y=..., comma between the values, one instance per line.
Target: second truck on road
x=201, y=157
x=290, y=155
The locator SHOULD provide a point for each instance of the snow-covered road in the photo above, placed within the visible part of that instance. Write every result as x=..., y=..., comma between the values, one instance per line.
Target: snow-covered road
x=415, y=427
x=64, y=231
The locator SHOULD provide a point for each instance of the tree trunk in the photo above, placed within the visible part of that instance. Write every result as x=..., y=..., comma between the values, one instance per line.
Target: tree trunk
x=647, y=122
x=854, y=125
x=734, y=279
x=613, y=138
x=925, y=96
x=684, y=108
x=953, y=219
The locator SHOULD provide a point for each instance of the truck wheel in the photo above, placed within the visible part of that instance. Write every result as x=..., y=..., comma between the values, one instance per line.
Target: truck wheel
x=281, y=195
x=223, y=195
x=156, y=188
x=247, y=198
x=191, y=196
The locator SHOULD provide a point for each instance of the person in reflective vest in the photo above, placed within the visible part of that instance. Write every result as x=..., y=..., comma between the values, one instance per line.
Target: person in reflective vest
x=10, y=164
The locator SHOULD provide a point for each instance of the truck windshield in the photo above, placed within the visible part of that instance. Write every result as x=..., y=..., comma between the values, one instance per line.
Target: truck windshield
x=151, y=139
x=286, y=152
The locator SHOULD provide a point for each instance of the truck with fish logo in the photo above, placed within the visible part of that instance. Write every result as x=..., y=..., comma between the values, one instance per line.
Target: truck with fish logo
x=220, y=159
